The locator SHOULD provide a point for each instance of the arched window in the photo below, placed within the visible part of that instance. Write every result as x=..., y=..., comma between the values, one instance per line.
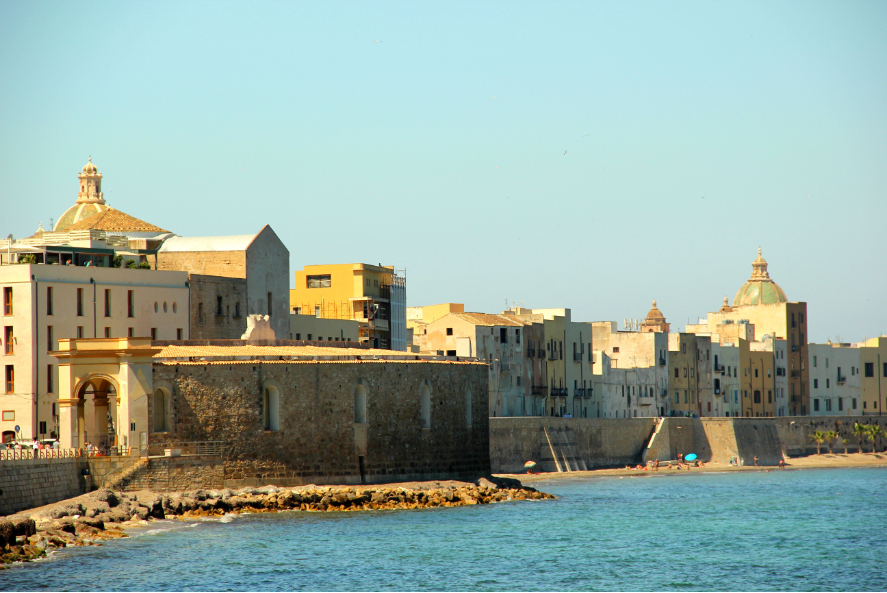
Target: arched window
x=161, y=410
x=360, y=405
x=425, y=406
x=271, y=409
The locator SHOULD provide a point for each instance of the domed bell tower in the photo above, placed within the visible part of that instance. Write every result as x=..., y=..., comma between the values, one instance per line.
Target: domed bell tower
x=90, y=185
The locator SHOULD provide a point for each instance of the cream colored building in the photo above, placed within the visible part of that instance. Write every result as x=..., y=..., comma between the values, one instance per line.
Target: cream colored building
x=631, y=372
x=761, y=303
x=873, y=384
x=43, y=304
x=309, y=327
x=835, y=379
x=495, y=339
x=374, y=296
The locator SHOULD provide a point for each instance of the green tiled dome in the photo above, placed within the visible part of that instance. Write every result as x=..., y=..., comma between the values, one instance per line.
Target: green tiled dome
x=76, y=213
x=760, y=288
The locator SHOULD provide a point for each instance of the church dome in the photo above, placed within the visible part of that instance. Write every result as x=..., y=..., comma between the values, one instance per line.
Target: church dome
x=89, y=167
x=76, y=213
x=655, y=315
x=760, y=288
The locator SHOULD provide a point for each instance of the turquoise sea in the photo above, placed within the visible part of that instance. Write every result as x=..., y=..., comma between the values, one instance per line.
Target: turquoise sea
x=822, y=530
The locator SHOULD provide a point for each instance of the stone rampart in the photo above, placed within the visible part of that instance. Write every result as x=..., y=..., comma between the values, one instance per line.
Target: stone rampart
x=29, y=483
x=331, y=422
x=567, y=444
x=794, y=433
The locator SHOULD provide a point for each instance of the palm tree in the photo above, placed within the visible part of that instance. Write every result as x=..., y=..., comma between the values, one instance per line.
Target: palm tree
x=830, y=437
x=817, y=437
x=874, y=431
x=860, y=431
x=845, y=441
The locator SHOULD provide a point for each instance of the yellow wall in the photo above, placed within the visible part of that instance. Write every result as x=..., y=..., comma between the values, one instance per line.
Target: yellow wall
x=873, y=390
x=309, y=327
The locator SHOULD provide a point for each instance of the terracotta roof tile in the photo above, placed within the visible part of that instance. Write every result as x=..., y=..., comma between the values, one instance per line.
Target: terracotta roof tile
x=114, y=220
x=258, y=353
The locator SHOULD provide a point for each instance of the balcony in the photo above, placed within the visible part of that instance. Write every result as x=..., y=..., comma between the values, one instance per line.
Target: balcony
x=552, y=355
x=531, y=353
x=664, y=393
x=539, y=390
x=661, y=361
x=558, y=392
x=578, y=392
x=540, y=353
x=796, y=374
x=841, y=379
x=646, y=401
x=577, y=357
x=719, y=368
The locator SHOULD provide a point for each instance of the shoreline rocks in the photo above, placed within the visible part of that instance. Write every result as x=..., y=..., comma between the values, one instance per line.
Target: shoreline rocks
x=92, y=518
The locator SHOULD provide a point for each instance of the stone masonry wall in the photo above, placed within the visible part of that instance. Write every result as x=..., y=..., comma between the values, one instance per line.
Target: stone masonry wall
x=29, y=483
x=566, y=444
x=318, y=440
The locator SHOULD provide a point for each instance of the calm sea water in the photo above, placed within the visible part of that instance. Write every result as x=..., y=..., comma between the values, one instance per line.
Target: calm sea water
x=793, y=530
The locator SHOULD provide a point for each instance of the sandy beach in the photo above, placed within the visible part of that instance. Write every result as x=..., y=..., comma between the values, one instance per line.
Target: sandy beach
x=823, y=461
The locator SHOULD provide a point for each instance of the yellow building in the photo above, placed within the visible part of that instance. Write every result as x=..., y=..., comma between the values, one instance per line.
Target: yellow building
x=762, y=304
x=873, y=388
x=309, y=327
x=374, y=296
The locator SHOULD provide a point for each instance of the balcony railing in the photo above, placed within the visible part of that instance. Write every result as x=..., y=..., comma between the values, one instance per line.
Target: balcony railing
x=796, y=374
x=539, y=390
x=661, y=361
x=558, y=392
x=842, y=379
x=719, y=368
x=531, y=352
x=577, y=357
x=579, y=392
x=552, y=355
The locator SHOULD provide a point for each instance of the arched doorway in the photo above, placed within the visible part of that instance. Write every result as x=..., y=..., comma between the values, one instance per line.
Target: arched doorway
x=96, y=408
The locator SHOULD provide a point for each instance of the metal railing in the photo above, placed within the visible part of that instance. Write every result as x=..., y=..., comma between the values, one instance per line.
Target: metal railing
x=538, y=390
x=842, y=379
x=213, y=448
x=558, y=392
x=552, y=355
x=577, y=357
x=579, y=392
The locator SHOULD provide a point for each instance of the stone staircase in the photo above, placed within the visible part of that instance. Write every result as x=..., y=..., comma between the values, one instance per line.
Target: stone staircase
x=558, y=450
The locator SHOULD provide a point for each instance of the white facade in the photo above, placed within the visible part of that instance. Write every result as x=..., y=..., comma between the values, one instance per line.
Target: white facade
x=51, y=302
x=834, y=379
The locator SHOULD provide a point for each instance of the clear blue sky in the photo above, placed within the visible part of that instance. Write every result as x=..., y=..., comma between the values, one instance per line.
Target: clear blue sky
x=694, y=132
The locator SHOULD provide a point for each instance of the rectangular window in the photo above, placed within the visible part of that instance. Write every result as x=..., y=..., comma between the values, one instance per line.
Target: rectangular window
x=828, y=405
x=7, y=300
x=677, y=373
x=686, y=401
x=815, y=383
x=219, y=305
x=130, y=332
x=692, y=373
x=237, y=310
x=869, y=369
x=179, y=333
x=9, y=415
x=8, y=347
x=130, y=304
x=41, y=427
x=79, y=302
x=517, y=338
x=107, y=302
x=615, y=349
x=153, y=333
x=503, y=335
x=840, y=404
x=309, y=336
x=854, y=403
x=298, y=336
x=677, y=396
x=50, y=338
x=49, y=300
x=322, y=281
x=449, y=331
x=107, y=332
x=270, y=301
x=885, y=369
x=451, y=353
x=685, y=372
x=49, y=379
x=10, y=379
x=816, y=405
x=79, y=331
x=814, y=361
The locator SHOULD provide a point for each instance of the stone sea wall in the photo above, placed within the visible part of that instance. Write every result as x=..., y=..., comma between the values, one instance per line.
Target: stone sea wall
x=28, y=483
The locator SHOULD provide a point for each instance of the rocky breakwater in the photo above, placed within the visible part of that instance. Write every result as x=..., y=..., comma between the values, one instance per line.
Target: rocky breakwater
x=91, y=518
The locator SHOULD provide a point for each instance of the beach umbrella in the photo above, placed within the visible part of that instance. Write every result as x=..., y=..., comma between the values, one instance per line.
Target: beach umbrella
x=530, y=464
x=690, y=457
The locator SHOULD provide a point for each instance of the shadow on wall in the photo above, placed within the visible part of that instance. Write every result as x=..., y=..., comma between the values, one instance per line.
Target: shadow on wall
x=717, y=439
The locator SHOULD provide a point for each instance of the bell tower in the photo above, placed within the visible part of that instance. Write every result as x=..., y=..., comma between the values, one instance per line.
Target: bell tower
x=90, y=185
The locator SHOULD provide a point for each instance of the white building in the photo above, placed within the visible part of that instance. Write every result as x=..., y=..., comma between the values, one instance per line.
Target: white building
x=834, y=379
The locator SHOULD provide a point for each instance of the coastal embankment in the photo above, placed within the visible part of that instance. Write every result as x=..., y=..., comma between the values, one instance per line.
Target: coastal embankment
x=91, y=518
x=823, y=461
x=581, y=444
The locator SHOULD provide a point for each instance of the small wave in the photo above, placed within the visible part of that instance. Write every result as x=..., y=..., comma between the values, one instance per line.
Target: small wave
x=228, y=518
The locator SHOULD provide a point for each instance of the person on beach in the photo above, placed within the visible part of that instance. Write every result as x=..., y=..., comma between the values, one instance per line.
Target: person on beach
x=656, y=466
x=782, y=464
x=756, y=461
x=680, y=457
